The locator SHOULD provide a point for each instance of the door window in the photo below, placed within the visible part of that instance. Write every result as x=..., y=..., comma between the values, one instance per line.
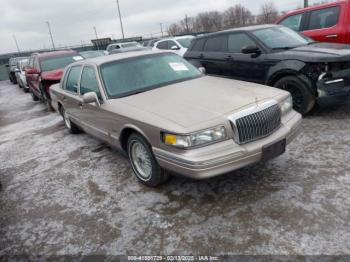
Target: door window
x=324, y=18
x=89, y=82
x=171, y=44
x=73, y=79
x=216, y=44
x=198, y=45
x=163, y=45
x=293, y=22
x=237, y=41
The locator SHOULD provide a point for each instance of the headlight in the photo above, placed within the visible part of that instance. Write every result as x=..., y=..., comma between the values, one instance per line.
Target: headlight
x=195, y=139
x=286, y=105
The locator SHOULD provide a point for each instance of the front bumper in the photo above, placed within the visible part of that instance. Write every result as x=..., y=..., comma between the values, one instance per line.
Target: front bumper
x=225, y=156
x=334, y=89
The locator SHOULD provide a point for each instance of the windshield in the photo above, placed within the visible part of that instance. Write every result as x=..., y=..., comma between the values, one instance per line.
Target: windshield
x=131, y=76
x=281, y=37
x=128, y=45
x=61, y=62
x=185, y=42
x=92, y=54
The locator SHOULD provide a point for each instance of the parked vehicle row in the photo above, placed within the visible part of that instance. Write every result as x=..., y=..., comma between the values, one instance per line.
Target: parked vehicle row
x=166, y=114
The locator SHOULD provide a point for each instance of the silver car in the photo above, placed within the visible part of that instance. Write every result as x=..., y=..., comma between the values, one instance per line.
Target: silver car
x=166, y=115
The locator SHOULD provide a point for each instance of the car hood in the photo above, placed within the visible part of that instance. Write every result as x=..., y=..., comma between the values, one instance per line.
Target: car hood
x=54, y=75
x=317, y=52
x=199, y=100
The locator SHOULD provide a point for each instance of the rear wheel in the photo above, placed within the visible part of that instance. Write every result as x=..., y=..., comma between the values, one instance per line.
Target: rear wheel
x=34, y=96
x=143, y=162
x=303, y=99
x=72, y=128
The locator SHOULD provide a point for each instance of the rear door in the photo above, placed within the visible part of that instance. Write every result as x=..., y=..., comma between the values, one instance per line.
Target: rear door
x=324, y=25
x=214, y=56
x=94, y=117
x=71, y=99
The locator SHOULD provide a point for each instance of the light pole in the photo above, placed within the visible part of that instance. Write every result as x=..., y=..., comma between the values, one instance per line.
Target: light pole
x=14, y=37
x=53, y=44
x=120, y=18
x=161, y=29
x=95, y=32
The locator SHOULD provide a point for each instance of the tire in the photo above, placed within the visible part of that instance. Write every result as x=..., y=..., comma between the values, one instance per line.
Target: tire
x=72, y=128
x=145, y=167
x=300, y=89
x=46, y=99
x=25, y=89
x=34, y=97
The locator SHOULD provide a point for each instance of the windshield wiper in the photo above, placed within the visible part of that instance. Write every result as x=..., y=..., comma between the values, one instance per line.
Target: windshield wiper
x=282, y=48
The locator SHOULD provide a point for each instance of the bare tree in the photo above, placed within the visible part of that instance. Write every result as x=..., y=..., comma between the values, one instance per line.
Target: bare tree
x=174, y=29
x=268, y=13
x=208, y=21
x=187, y=24
x=237, y=16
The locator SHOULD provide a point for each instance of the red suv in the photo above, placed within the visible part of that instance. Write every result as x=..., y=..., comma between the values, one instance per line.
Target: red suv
x=323, y=23
x=46, y=69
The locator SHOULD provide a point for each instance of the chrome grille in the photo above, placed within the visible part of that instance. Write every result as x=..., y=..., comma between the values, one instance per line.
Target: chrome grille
x=258, y=125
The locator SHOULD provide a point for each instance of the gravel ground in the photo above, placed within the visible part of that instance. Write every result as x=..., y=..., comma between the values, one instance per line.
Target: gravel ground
x=71, y=194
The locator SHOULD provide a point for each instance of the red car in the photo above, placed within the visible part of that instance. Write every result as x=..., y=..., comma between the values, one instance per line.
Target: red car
x=323, y=23
x=46, y=69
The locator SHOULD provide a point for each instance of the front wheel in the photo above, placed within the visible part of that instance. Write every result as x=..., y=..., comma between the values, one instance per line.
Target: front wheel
x=303, y=99
x=143, y=163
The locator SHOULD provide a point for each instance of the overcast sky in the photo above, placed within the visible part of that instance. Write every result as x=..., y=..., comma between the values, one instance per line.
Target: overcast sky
x=72, y=21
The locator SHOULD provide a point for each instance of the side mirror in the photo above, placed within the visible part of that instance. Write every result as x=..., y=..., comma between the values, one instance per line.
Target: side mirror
x=202, y=70
x=32, y=71
x=174, y=47
x=91, y=97
x=7, y=65
x=252, y=49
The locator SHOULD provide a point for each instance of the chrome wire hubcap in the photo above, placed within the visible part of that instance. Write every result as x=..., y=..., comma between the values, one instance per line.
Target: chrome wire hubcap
x=141, y=160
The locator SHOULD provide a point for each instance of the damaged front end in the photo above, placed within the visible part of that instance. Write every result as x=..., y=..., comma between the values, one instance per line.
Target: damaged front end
x=332, y=82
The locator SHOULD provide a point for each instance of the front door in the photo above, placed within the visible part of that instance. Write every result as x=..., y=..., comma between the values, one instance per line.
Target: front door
x=247, y=67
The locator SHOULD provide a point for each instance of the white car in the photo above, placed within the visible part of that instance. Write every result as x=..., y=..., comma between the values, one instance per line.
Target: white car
x=121, y=46
x=177, y=45
x=21, y=75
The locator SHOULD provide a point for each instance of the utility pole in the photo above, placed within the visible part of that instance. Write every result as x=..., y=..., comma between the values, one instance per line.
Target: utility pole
x=14, y=37
x=120, y=18
x=161, y=29
x=53, y=44
x=306, y=3
x=95, y=32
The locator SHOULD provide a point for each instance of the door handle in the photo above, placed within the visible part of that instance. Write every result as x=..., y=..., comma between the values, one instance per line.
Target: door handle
x=331, y=36
x=228, y=58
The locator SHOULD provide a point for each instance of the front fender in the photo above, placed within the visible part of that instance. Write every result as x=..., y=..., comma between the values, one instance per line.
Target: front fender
x=283, y=68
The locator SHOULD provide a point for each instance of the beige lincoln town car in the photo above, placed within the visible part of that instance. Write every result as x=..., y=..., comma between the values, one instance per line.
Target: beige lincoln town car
x=166, y=115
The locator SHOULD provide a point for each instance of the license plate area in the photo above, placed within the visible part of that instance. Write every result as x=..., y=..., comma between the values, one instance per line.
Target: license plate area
x=271, y=151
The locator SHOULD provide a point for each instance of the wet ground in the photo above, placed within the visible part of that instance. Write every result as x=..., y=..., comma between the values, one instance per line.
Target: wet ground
x=71, y=194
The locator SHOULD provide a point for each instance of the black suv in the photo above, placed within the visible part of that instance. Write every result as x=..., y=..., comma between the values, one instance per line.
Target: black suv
x=277, y=56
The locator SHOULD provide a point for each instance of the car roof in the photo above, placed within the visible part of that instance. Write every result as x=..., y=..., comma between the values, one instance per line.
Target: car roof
x=239, y=29
x=56, y=53
x=120, y=56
